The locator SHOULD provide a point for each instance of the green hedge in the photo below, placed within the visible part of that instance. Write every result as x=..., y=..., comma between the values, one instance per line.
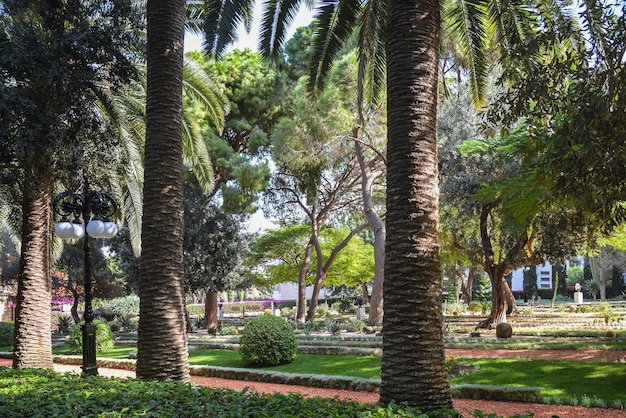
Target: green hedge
x=6, y=333
x=104, y=337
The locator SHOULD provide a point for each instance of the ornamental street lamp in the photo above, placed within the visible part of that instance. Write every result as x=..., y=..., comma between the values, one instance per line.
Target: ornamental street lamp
x=89, y=212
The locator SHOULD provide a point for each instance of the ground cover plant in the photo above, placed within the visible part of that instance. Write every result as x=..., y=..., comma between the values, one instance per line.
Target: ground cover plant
x=43, y=393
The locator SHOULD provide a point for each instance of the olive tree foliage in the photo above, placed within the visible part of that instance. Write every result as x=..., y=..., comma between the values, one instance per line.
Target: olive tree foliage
x=574, y=103
x=214, y=247
x=483, y=186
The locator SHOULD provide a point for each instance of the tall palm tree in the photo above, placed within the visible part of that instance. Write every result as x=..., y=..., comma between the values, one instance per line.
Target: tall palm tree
x=162, y=339
x=413, y=363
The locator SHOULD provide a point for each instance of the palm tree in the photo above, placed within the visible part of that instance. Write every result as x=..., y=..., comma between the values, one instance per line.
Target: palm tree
x=57, y=121
x=162, y=339
x=413, y=363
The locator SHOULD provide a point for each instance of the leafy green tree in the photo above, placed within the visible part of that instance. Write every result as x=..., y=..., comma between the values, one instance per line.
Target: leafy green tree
x=278, y=253
x=163, y=355
x=318, y=176
x=573, y=103
x=213, y=250
x=254, y=91
x=73, y=51
x=574, y=275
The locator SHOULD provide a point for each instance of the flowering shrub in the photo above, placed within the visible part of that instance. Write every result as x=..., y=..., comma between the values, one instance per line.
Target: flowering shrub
x=450, y=364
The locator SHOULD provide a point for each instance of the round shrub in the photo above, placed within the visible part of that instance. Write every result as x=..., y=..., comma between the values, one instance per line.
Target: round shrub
x=104, y=337
x=6, y=333
x=268, y=340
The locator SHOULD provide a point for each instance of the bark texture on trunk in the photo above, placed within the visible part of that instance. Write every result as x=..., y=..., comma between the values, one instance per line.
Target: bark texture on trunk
x=162, y=338
x=210, y=311
x=32, y=344
x=413, y=366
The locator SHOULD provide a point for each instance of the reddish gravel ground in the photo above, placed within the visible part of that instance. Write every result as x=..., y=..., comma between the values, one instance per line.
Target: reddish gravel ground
x=465, y=406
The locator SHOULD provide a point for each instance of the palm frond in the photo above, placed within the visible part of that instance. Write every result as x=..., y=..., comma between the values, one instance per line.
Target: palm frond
x=222, y=17
x=196, y=154
x=132, y=198
x=195, y=17
x=337, y=22
x=372, y=54
x=512, y=22
x=468, y=21
x=277, y=17
x=198, y=86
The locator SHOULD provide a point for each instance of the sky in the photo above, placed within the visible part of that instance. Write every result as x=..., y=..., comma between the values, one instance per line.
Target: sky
x=245, y=40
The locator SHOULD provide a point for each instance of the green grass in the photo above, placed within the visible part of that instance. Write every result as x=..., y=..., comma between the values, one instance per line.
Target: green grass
x=115, y=353
x=560, y=379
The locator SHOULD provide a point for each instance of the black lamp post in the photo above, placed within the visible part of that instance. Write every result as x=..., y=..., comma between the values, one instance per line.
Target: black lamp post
x=90, y=212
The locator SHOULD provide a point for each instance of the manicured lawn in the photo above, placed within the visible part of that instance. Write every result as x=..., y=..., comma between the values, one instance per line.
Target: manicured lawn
x=557, y=379
x=562, y=379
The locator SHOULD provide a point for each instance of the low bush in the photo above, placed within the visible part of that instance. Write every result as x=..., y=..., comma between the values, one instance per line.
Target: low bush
x=63, y=322
x=268, y=340
x=195, y=309
x=104, y=337
x=474, y=307
x=355, y=325
x=127, y=323
x=229, y=330
x=127, y=305
x=6, y=333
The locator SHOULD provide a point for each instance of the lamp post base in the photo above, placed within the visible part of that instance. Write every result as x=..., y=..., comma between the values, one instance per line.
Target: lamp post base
x=90, y=365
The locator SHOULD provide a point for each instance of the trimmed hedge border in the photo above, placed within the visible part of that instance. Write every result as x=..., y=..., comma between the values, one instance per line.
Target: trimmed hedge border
x=498, y=393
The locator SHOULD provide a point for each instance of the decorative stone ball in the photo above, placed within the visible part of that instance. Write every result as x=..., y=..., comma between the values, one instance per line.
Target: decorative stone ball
x=504, y=330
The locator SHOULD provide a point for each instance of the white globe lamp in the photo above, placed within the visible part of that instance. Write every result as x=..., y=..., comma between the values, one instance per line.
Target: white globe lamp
x=64, y=229
x=95, y=228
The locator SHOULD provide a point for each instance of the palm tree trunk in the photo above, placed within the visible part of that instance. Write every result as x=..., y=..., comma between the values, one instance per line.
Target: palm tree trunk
x=162, y=338
x=32, y=345
x=413, y=366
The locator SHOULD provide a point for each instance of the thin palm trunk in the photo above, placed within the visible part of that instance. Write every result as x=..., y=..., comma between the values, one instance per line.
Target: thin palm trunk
x=413, y=364
x=32, y=346
x=162, y=338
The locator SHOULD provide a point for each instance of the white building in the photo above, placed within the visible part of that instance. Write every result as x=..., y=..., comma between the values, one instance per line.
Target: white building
x=289, y=291
x=544, y=275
